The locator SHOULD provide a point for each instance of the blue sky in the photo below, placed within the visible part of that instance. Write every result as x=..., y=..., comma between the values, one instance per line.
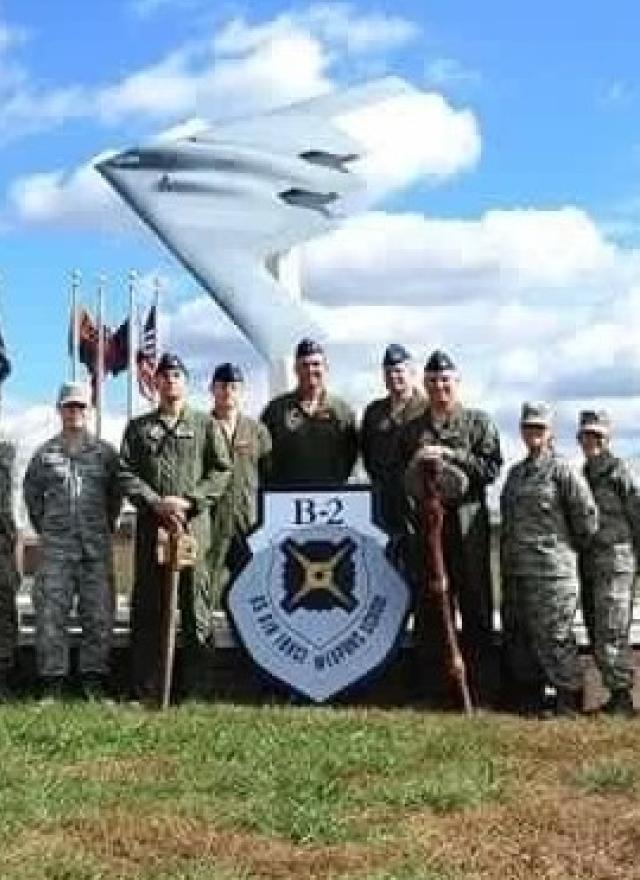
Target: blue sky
x=522, y=257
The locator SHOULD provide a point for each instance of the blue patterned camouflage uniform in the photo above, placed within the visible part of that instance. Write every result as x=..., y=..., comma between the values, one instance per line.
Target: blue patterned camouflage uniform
x=73, y=501
x=608, y=567
x=547, y=513
x=8, y=573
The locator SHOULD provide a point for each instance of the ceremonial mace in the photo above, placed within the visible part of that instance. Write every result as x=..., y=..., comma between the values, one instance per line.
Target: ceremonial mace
x=437, y=583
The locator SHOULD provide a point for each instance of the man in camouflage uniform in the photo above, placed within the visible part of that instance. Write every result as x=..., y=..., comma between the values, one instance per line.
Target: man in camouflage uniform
x=468, y=440
x=71, y=491
x=547, y=511
x=382, y=425
x=176, y=465
x=248, y=444
x=8, y=572
x=608, y=566
x=314, y=437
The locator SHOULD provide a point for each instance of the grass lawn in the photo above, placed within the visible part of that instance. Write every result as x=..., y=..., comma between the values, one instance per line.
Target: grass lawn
x=227, y=792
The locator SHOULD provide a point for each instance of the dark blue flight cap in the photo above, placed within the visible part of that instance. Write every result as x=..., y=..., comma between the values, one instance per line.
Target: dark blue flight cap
x=227, y=372
x=395, y=354
x=171, y=361
x=306, y=347
x=439, y=362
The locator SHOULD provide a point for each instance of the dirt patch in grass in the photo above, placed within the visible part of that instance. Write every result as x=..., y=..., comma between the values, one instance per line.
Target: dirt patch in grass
x=129, y=845
x=122, y=769
x=548, y=835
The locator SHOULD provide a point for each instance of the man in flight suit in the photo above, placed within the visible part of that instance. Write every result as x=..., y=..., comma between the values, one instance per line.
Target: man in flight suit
x=248, y=444
x=314, y=437
x=177, y=464
x=382, y=425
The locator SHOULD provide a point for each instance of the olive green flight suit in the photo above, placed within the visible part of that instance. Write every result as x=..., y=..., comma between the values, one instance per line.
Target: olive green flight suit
x=382, y=425
x=235, y=512
x=190, y=459
x=318, y=449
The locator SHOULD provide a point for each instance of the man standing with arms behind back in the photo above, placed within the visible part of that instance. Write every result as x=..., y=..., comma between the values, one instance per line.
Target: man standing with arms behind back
x=249, y=444
x=382, y=425
x=315, y=442
x=176, y=465
x=72, y=495
x=467, y=439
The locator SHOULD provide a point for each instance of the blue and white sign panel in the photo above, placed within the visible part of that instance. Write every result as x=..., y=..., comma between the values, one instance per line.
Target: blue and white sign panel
x=319, y=606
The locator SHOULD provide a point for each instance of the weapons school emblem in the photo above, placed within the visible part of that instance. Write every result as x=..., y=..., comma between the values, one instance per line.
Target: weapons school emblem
x=319, y=606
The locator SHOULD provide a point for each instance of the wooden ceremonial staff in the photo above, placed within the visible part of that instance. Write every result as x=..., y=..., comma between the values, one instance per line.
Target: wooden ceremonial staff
x=176, y=550
x=437, y=584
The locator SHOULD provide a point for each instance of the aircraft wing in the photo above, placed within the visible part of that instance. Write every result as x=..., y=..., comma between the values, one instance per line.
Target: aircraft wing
x=229, y=198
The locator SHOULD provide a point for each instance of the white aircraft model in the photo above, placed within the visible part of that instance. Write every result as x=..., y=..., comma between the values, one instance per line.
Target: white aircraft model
x=230, y=198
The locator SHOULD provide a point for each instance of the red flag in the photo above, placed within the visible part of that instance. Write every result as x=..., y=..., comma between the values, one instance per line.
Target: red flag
x=116, y=356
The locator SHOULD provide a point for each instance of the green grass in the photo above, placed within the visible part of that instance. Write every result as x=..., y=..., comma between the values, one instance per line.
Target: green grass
x=223, y=792
x=605, y=777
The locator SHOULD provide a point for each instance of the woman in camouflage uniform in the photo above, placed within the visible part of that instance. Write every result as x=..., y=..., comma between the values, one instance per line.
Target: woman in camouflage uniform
x=608, y=567
x=547, y=512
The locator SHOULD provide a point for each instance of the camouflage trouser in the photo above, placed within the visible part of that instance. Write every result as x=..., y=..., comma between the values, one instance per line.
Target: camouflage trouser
x=544, y=611
x=8, y=617
x=58, y=580
x=607, y=600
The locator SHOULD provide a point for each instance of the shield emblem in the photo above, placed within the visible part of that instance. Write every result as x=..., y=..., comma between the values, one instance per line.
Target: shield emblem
x=319, y=607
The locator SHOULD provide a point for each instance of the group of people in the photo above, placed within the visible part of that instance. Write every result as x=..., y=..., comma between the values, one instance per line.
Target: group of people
x=563, y=533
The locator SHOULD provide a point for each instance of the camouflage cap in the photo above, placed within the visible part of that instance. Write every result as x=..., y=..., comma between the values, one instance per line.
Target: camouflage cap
x=538, y=414
x=594, y=421
x=73, y=392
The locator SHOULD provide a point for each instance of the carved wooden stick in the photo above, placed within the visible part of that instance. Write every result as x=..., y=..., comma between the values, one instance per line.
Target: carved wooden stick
x=437, y=584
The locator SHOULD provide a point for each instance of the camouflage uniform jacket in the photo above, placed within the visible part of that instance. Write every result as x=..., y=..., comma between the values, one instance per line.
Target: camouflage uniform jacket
x=380, y=433
x=310, y=449
x=471, y=441
x=617, y=495
x=548, y=513
x=73, y=497
x=188, y=458
x=248, y=448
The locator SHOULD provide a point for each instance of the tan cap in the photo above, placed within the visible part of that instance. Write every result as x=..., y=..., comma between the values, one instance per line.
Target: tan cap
x=594, y=421
x=73, y=392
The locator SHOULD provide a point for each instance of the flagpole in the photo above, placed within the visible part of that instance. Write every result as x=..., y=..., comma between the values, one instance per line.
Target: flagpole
x=157, y=289
x=102, y=281
x=75, y=342
x=131, y=352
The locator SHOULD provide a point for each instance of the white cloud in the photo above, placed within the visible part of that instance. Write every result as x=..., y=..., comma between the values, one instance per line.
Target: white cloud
x=81, y=200
x=500, y=254
x=414, y=136
x=338, y=24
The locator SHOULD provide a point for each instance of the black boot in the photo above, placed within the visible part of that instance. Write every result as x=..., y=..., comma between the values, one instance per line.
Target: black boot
x=620, y=704
x=5, y=690
x=568, y=703
x=92, y=688
x=52, y=689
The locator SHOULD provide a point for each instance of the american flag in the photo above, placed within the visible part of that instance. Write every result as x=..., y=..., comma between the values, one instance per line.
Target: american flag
x=147, y=355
